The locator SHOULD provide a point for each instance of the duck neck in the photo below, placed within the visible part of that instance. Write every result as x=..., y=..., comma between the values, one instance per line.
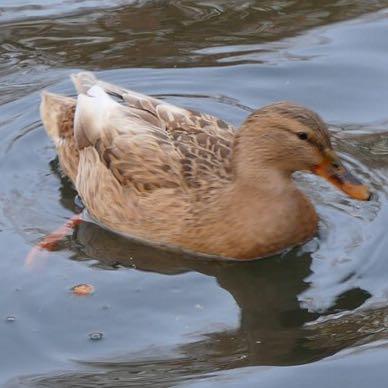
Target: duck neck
x=267, y=195
x=254, y=164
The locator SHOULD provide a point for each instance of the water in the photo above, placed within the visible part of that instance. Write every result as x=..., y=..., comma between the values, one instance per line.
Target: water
x=315, y=315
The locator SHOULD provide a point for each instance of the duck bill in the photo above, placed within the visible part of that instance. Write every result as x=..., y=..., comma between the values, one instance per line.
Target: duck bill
x=333, y=170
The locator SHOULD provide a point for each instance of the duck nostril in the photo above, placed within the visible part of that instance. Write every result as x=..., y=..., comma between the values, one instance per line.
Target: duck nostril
x=371, y=197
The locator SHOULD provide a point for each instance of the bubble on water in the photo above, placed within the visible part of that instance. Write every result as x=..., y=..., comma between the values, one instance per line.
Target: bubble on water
x=131, y=263
x=96, y=336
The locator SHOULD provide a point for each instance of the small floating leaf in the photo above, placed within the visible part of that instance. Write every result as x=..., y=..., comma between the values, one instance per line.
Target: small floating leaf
x=82, y=289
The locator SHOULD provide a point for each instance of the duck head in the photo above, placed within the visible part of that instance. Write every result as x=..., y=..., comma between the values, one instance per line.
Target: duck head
x=285, y=137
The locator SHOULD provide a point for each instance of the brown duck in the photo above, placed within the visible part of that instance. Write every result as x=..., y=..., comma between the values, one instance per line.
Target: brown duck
x=149, y=169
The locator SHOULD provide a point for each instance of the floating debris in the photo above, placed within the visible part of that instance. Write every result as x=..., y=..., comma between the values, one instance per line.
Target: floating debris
x=82, y=289
x=96, y=336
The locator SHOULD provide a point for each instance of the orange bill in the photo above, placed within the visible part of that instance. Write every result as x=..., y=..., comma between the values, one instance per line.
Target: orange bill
x=334, y=171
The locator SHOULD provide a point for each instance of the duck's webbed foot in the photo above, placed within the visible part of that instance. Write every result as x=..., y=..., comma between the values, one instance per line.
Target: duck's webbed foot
x=51, y=242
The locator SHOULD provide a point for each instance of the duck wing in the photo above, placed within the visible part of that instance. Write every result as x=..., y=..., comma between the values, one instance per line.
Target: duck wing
x=147, y=143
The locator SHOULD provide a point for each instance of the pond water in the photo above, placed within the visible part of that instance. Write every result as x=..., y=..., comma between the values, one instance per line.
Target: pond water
x=316, y=315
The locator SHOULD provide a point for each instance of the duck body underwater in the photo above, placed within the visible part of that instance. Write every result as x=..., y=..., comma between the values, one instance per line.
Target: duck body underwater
x=148, y=169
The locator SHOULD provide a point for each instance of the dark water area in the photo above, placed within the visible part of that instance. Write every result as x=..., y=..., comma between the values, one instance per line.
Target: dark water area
x=316, y=315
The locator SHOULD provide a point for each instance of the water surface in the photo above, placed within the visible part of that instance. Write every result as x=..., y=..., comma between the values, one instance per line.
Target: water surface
x=314, y=315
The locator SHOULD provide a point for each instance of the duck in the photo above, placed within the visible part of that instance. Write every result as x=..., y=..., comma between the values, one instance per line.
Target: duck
x=147, y=169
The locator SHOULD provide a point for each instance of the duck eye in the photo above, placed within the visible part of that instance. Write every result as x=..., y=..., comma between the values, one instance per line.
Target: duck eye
x=302, y=135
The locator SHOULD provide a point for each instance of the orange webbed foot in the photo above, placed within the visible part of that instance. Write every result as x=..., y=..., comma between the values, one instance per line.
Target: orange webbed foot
x=51, y=242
